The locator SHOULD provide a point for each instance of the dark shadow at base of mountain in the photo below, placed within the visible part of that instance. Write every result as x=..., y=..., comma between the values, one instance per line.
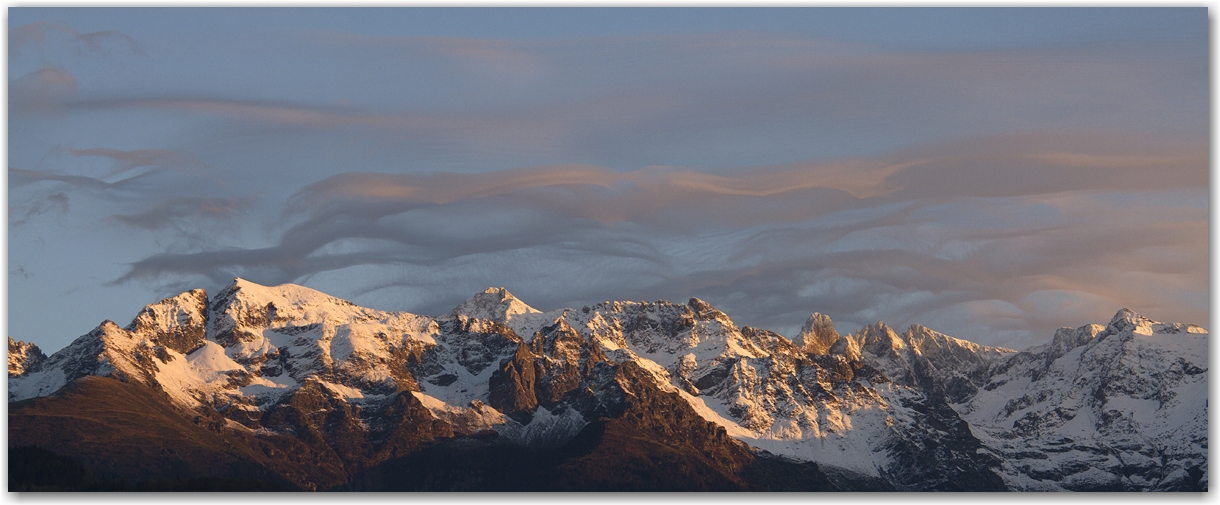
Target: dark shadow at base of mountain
x=654, y=441
x=34, y=469
x=774, y=473
x=599, y=458
x=848, y=480
x=123, y=432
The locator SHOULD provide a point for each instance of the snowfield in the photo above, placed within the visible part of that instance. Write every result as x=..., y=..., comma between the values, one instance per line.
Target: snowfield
x=1119, y=406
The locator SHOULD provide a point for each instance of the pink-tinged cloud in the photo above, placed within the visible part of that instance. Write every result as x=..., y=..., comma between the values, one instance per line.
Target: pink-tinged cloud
x=607, y=99
x=43, y=91
x=143, y=158
x=1004, y=166
x=36, y=33
x=768, y=237
x=41, y=34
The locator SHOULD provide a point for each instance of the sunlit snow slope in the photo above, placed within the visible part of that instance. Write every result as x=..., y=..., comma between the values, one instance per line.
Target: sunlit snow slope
x=1121, y=406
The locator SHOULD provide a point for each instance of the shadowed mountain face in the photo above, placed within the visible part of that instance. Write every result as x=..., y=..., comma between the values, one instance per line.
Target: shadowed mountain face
x=294, y=389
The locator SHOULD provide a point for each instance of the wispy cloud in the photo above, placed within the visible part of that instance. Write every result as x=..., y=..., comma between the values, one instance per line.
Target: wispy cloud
x=42, y=91
x=38, y=35
x=43, y=204
x=517, y=59
x=143, y=158
x=20, y=177
x=119, y=169
x=997, y=193
x=1002, y=166
x=897, y=236
x=185, y=212
x=629, y=101
x=49, y=88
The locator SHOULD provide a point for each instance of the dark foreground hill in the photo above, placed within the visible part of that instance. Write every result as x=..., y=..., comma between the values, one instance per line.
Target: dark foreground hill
x=286, y=388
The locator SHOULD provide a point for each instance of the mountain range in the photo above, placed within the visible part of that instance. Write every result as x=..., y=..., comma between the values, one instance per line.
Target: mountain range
x=294, y=389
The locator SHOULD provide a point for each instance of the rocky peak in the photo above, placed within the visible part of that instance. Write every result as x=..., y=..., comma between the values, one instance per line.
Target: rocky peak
x=23, y=357
x=496, y=304
x=924, y=340
x=1066, y=339
x=847, y=347
x=298, y=361
x=704, y=310
x=817, y=335
x=552, y=334
x=241, y=311
x=1127, y=319
x=878, y=339
x=228, y=292
x=178, y=322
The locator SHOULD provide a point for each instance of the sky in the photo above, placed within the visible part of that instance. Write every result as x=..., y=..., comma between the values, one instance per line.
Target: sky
x=993, y=174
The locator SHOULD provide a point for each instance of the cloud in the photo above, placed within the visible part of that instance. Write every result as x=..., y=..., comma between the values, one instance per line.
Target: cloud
x=185, y=212
x=43, y=91
x=20, y=177
x=1048, y=163
x=41, y=205
x=518, y=59
x=125, y=161
x=120, y=173
x=1014, y=191
x=919, y=232
x=50, y=88
x=42, y=33
x=487, y=132
x=35, y=33
x=698, y=100
x=102, y=40
x=1002, y=166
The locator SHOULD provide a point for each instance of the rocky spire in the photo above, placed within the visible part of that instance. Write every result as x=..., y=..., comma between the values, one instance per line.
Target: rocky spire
x=23, y=357
x=817, y=335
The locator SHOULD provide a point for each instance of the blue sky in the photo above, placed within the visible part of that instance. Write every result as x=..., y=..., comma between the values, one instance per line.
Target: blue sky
x=990, y=173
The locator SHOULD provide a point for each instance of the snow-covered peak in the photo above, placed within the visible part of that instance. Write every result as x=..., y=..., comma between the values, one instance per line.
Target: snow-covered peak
x=817, y=335
x=1134, y=391
x=1127, y=319
x=926, y=341
x=23, y=357
x=177, y=322
x=496, y=304
x=706, y=312
x=1066, y=339
x=701, y=307
x=245, y=303
x=847, y=347
x=879, y=339
x=856, y=401
x=283, y=295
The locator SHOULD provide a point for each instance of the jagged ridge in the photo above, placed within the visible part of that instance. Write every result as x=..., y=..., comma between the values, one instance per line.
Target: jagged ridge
x=359, y=387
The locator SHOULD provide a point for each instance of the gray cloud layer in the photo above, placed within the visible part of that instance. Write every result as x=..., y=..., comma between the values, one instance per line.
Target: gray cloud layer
x=994, y=195
x=992, y=231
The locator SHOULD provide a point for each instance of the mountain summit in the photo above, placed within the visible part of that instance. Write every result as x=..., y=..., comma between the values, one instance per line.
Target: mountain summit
x=293, y=386
x=496, y=304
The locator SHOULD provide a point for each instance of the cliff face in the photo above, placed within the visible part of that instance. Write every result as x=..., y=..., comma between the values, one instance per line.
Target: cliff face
x=23, y=357
x=319, y=393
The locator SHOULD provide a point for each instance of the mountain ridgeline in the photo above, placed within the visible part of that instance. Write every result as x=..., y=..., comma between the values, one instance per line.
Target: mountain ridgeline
x=289, y=388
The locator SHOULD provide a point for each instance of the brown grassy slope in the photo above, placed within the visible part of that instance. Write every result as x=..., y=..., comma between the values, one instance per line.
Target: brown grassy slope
x=128, y=431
